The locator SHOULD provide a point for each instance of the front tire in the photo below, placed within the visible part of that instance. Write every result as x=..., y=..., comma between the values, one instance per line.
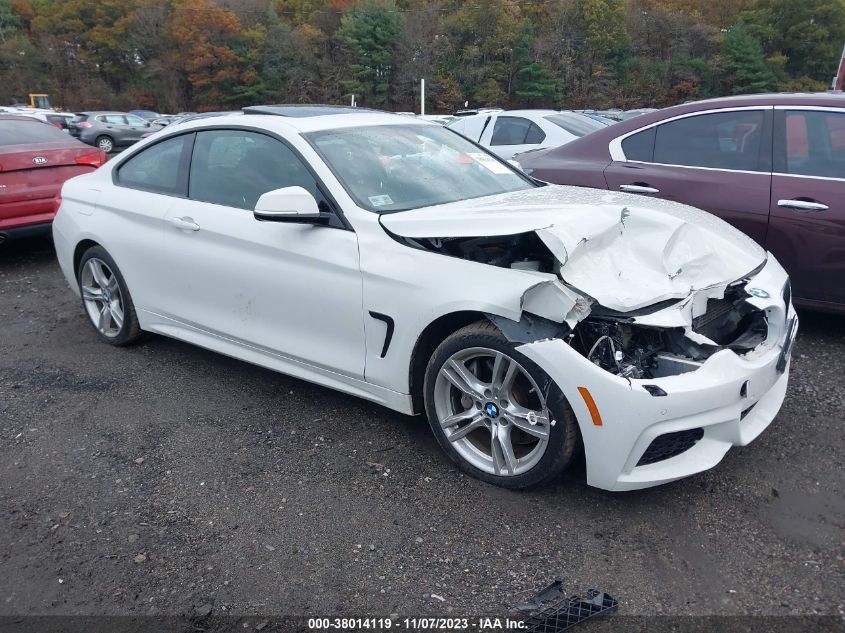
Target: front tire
x=106, y=298
x=494, y=412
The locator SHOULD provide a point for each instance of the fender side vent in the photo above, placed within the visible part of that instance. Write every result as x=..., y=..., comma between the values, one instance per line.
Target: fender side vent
x=388, y=335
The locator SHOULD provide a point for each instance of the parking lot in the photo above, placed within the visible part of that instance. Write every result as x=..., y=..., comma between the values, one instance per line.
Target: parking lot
x=163, y=478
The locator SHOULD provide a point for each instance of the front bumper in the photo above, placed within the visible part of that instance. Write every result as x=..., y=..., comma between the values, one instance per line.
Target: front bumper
x=731, y=398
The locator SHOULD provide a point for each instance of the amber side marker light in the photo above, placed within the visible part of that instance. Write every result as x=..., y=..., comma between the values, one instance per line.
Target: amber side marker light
x=591, y=405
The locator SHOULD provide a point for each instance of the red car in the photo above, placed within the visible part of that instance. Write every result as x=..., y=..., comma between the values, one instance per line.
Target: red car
x=35, y=160
x=771, y=165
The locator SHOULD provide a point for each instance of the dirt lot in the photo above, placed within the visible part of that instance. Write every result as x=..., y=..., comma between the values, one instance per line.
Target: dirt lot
x=165, y=479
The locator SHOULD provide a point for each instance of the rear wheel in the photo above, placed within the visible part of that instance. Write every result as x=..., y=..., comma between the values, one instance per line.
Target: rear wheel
x=106, y=298
x=495, y=412
x=105, y=143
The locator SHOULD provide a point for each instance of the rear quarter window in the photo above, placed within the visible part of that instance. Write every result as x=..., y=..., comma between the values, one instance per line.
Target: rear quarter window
x=157, y=168
x=575, y=124
x=640, y=146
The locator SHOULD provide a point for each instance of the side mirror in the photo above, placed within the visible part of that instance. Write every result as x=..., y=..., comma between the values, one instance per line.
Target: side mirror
x=146, y=124
x=289, y=204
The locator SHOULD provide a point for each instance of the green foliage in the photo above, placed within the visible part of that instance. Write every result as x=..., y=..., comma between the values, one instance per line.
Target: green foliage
x=9, y=22
x=533, y=81
x=368, y=31
x=746, y=67
x=176, y=55
x=808, y=33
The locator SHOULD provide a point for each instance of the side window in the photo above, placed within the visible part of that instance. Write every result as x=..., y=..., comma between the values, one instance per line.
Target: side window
x=131, y=119
x=155, y=168
x=510, y=130
x=535, y=135
x=815, y=143
x=640, y=146
x=473, y=127
x=724, y=140
x=234, y=167
x=115, y=119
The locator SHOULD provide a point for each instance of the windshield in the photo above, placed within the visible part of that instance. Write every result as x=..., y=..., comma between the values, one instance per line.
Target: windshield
x=389, y=168
x=575, y=124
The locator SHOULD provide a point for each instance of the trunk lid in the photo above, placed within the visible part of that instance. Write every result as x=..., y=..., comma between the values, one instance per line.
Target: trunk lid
x=37, y=171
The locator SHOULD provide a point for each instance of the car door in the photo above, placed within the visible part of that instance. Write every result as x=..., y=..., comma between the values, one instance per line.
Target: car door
x=117, y=127
x=135, y=128
x=284, y=288
x=718, y=161
x=807, y=230
x=506, y=135
x=145, y=186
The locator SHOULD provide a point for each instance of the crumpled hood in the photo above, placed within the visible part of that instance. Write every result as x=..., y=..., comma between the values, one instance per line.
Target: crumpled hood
x=623, y=250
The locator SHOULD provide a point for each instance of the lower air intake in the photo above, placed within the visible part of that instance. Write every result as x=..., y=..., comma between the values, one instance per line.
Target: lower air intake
x=669, y=445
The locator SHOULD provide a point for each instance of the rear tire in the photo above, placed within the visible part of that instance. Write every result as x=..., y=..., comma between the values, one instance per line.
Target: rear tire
x=105, y=143
x=106, y=298
x=495, y=413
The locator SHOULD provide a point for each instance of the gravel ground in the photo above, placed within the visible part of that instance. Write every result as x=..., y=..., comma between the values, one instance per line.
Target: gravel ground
x=166, y=479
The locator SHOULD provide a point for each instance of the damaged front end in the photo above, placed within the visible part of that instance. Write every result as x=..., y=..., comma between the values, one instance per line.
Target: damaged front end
x=640, y=292
x=670, y=337
x=625, y=345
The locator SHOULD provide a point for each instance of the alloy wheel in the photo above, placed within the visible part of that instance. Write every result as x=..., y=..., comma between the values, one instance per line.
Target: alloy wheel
x=492, y=411
x=102, y=297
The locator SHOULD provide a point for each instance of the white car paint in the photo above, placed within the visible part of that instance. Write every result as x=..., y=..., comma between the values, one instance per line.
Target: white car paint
x=482, y=129
x=299, y=299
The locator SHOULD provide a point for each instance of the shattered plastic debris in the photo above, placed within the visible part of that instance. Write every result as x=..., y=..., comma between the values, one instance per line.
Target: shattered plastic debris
x=554, y=611
x=554, y=301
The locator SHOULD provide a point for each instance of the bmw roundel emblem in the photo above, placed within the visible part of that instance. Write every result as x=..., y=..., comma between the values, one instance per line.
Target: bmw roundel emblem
x=758, y=292
x=492, y=410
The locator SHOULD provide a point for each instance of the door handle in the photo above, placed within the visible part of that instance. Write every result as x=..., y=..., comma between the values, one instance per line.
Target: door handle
x=186, y=224
x=638, y=189
x=803, y=205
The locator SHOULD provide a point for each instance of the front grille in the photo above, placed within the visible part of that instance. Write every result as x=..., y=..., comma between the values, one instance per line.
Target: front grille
x=669, y=445
x=733, y=322
x=716, y=311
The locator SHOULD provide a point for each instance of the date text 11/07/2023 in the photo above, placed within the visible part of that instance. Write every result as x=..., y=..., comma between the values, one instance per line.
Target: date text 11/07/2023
x=416, y=624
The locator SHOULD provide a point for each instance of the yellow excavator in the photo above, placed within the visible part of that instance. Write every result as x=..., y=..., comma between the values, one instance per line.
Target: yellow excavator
x=40, y=101
x=37, y=101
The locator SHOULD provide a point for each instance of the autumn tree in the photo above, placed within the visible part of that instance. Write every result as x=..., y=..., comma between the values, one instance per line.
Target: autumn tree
x=418, y=54
x=204, y=37
x=480, y=42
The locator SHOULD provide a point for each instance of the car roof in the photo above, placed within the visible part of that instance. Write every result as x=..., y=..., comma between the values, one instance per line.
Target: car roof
x=301, y=118
x=298, y=111
x=595, y=145
x=775, y=98
x=19, y=117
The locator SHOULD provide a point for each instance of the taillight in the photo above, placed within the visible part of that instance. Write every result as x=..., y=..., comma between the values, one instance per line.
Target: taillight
x=57, y=202
x=83, y=124
x=95, y=159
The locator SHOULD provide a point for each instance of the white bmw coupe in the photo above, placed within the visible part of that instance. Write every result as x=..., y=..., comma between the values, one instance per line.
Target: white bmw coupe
x=395, y=260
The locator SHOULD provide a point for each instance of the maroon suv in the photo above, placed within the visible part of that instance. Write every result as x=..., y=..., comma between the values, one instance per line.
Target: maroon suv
x=771, y=165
